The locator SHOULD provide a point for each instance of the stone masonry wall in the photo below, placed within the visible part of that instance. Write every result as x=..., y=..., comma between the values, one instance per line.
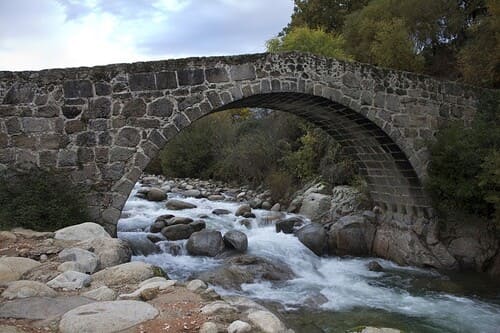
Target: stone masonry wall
x=104, y=124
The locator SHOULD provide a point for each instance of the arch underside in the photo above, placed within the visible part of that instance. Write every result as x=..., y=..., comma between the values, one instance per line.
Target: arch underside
x=392, y=181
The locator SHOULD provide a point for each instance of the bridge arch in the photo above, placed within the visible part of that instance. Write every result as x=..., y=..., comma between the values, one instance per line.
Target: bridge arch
x=104, y=124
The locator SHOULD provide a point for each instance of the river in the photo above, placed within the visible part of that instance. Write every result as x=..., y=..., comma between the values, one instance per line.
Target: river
x=331, y=294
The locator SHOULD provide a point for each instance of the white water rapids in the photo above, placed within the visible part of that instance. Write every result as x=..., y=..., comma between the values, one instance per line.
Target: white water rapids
x=344, y=284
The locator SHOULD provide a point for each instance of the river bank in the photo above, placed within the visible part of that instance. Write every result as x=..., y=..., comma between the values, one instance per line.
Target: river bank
x=330, y=291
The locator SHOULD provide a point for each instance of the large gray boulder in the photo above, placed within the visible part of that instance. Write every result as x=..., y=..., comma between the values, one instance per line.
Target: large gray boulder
x=242, y=210
x=12, y=268
x=128, y=273
x=111, y=316
x=25, y=289
x=347, y=200
x=87, y=260
x=267, y=322
x=314, y=237
x=111, y=251
x=177, y=231
x=41, y=308
x=83, y=231
x=288, y=226
x=316, y=207
x=140, y=244
x=351, y=235
x=156, y=194
x=205, y=243
x=246, y=269
x=175, y=204
x=236, y=240
x=70, y=280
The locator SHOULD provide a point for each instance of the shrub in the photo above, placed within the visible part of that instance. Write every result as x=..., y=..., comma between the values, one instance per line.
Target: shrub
x=40, y=200
x=463, y=175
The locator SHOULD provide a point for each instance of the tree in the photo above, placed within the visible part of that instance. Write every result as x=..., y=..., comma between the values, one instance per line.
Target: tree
x=328, y=15
x=315, y=41
x=479, y=60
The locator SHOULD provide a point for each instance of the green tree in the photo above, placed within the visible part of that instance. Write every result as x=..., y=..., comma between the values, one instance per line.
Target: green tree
x=316, y=41
x=479, y=59
x=322, y=14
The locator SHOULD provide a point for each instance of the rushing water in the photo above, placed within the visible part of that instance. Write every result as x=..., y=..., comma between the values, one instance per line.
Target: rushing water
x=331, y=294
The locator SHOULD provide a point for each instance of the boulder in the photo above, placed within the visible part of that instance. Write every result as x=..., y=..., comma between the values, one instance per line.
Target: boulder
x=179, y=220
x=155, y=194
x=217, y=308
x=110, y=316
x=245, y=269
x=196, y=285
x=316, y=207
x=40, y=308
x=314, y=237
x=83, y=231
x=177, y=232
x=220, y=211
x=375, y=266
x=86, y=260
x=351, y=235
x=267, y=322
x=289, y=225
x=239, y=326
x=12, y=268
x=42, y=273
x=209, y=327
x=174, y=204
x=205, y=243
x=347, y=200
x=71, y=266
x=237, y=240
x=128, y=273
x=111, y=251
x=276, y=207
x=70, y=280
x=266, y=205
x=198, y=225
x=157, y=283
x=24, y=289
x=101, y=294
x=242, y=210
x=157, y=226
x=216, y=197
x=192, y=193
x=140, y=244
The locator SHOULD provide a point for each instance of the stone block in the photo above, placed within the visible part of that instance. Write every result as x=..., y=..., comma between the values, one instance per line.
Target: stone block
x=190, y=77
x=23, y=141
x=67, y=158
x=166, y=80
x=34, y=125
x=74, y=126
x=242, y=72
x=78, y=88
x=142, y=81
x=134, y=108
x=86, y=139
x=161, y=107
x=128, y=137
x=48, y=159
x=98, y=108
x=71, y=112
x=48, y=111
x=216, y=75
x=102, y=88
x=120, y=154
x=13, y=125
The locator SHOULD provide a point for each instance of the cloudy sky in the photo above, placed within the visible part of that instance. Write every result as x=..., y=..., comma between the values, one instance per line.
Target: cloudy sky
x=37, y=34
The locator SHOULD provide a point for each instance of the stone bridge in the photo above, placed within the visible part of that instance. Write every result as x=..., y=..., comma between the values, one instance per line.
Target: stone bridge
x=104, y=124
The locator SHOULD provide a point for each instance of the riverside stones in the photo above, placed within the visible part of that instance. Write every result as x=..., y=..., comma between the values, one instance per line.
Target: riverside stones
x=313, y=236
x=111, y=316
x=41, y=308
x=12, y=268
x=287, y=226
x=242, y=210
x=175, y=204
x=87, y=261
x=177, y=232
x=267, y=322
x=25, y=289
x=128, y=273
x=111, y=251
x=237, y=240
x=155, y=194
x=83, y=231
x=101, y=294
x=205, y=243
x=70, y=280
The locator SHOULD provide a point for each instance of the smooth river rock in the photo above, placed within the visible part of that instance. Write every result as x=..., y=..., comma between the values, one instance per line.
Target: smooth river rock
x=111, y=316
x=25, y=289
x=175, y=204
x=87, y=260
x=37, y=308
x=111, y=251
x=12, y=268
x=313, y=236
x=267, y=322
x=83, y=231
x=237, y=240
x=70, y=280
x=128, y=273
x=205, y=243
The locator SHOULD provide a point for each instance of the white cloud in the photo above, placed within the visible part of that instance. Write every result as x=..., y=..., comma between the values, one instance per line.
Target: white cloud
x=38, y=34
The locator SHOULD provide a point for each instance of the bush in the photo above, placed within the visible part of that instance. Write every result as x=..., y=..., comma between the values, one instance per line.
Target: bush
x=40, y=200
x=463, y=175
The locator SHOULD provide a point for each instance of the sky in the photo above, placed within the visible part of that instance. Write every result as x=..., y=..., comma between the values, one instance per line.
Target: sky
x=40, y=34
